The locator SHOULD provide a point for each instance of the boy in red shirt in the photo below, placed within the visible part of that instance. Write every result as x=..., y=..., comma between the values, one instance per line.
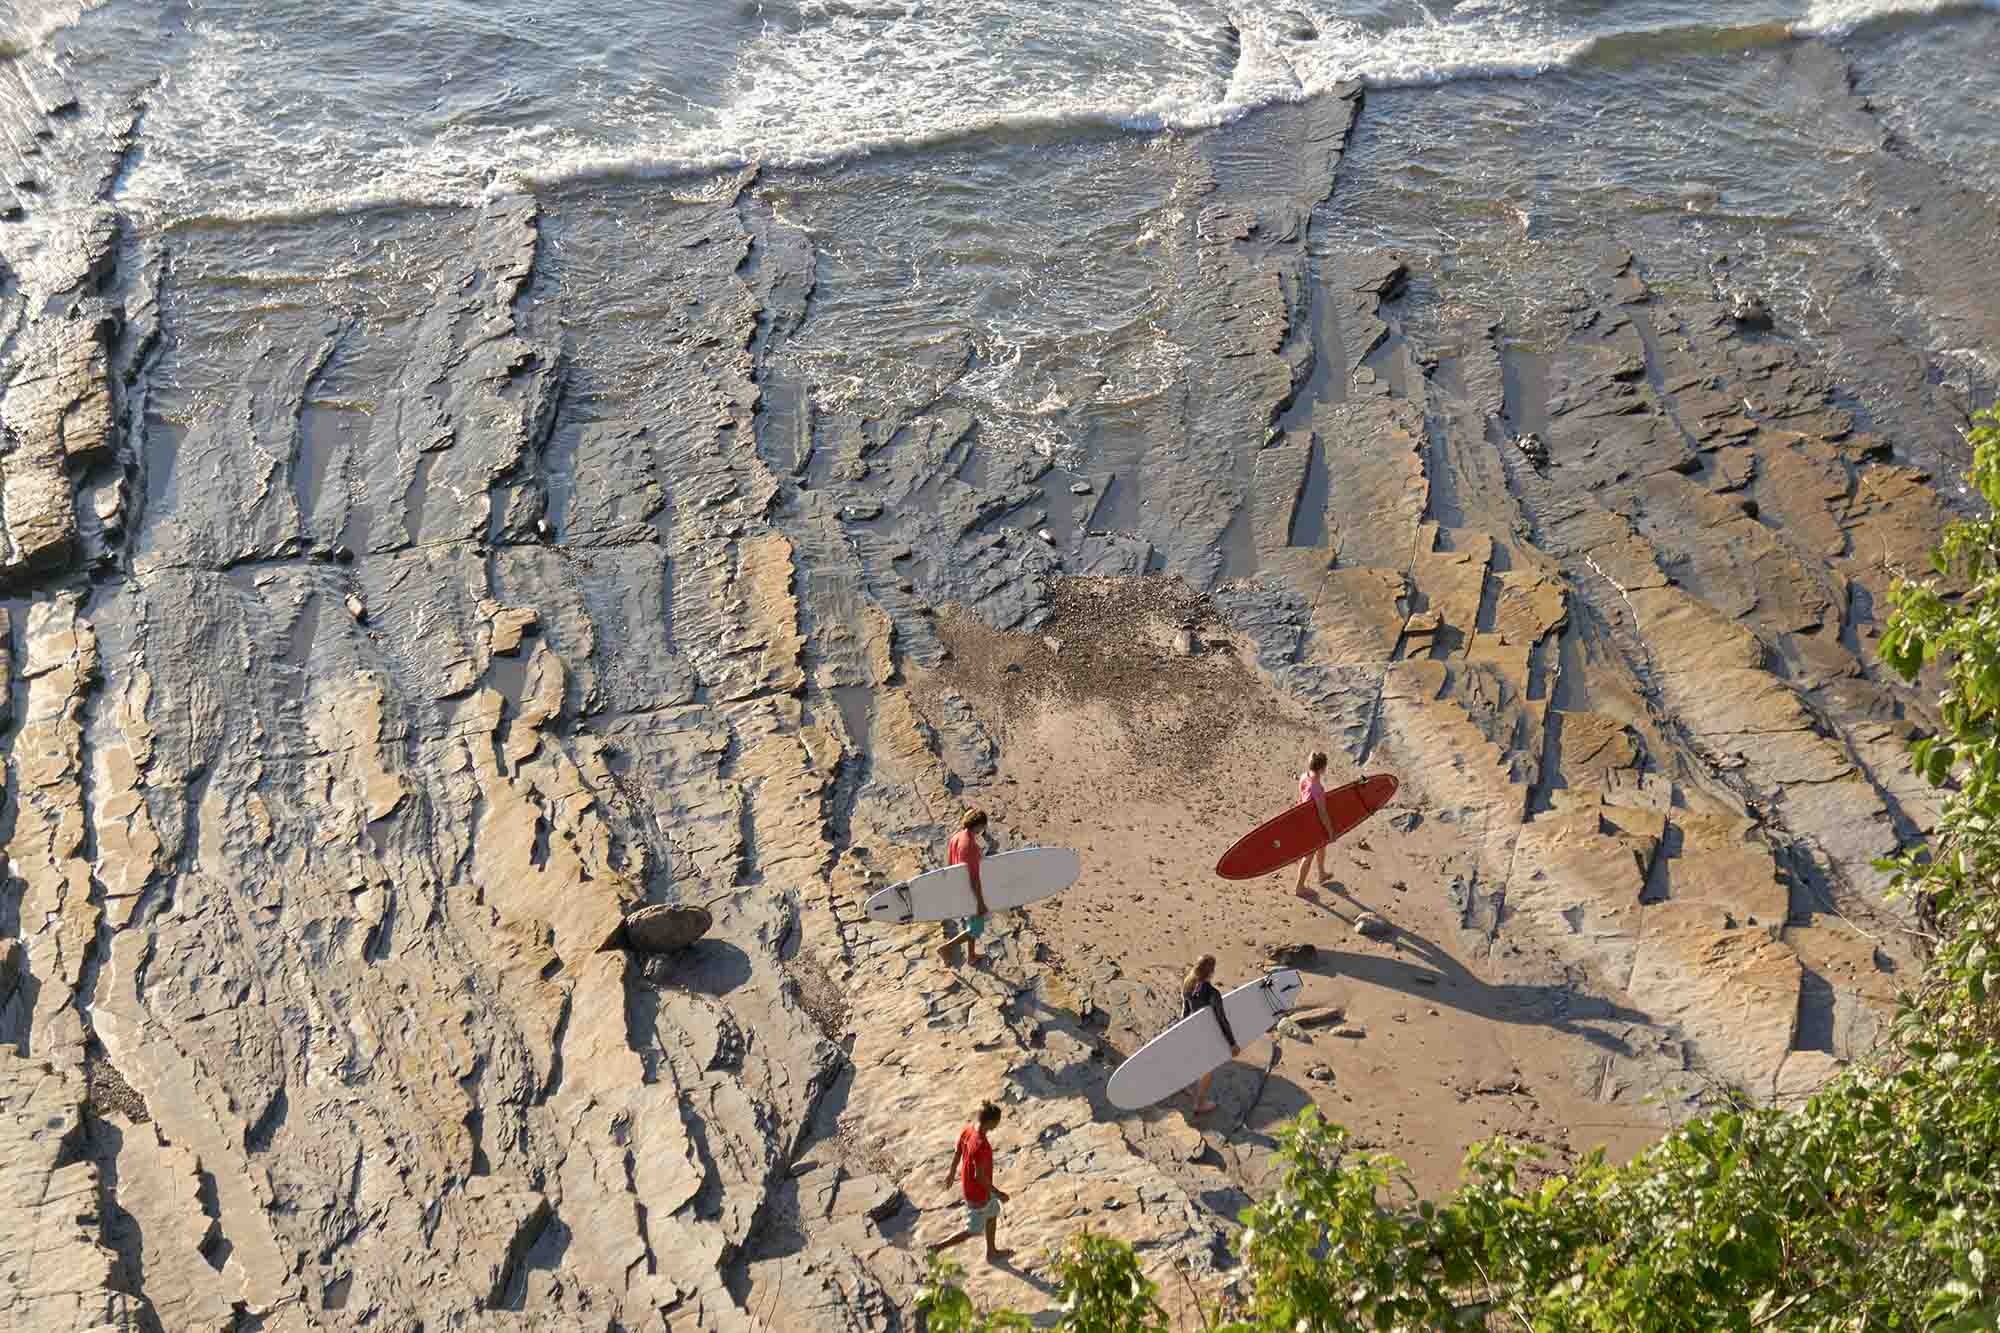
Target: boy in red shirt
x=965, y=850
x=972, y=1166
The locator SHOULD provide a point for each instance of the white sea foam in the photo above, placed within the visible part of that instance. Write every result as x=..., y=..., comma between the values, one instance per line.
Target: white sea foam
x=26, y=25
x=1497, y=40
x=240, y=129
x=1839, y=18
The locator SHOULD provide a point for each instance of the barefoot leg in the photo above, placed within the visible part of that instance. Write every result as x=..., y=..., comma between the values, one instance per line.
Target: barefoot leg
x=994, y=1254
x=959, y=1239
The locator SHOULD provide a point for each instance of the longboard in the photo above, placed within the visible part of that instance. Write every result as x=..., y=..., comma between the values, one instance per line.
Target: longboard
x=1008, y=879
x=1296, y=833
x=1194, y=1046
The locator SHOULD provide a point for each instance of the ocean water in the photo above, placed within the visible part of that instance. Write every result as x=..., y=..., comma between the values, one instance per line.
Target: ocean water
x=988, y=185
x=259, y=107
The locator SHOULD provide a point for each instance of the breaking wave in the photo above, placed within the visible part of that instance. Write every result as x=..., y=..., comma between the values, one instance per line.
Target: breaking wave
x=241, y=130
x=1842, y=18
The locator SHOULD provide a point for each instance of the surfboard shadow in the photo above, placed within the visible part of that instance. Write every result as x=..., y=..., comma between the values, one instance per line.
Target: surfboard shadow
x=1440, y=979
x=1281, y=1100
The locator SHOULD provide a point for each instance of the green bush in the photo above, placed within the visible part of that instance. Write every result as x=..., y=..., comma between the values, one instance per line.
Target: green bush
x=1876, y=1205
x=1950, y=625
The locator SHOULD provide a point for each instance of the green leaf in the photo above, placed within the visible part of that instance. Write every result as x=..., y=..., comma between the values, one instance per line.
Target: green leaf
x=1939, y=768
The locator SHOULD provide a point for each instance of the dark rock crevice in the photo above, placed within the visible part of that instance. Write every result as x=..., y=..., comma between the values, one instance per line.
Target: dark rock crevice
x=538, y=1242
x=122, y=1232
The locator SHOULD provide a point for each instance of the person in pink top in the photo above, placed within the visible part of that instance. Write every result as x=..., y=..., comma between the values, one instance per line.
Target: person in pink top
x=965, y=850
x=1312, y=791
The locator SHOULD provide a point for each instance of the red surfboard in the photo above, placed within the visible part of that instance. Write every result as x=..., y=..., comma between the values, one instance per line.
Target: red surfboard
x=1298, y=832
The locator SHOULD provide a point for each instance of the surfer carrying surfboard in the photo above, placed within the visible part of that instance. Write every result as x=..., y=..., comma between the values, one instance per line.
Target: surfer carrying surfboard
x=1198, y=992
x=972, y=1167
x=1312, y=792
x=966, y=850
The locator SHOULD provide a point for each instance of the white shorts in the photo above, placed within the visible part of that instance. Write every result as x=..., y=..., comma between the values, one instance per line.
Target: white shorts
x=977, y=1215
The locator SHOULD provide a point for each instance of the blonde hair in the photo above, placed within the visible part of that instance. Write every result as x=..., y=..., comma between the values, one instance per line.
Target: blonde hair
x=1203, y=969
x=973, y=819
x=1316, y=762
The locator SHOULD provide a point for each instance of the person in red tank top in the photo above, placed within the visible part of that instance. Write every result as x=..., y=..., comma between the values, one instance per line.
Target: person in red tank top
x=1312, y=790
x=972, y=1168
x=965, y=850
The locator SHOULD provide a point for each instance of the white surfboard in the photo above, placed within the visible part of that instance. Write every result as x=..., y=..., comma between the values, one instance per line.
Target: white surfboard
x=1008, y=879
x=1194, y=1046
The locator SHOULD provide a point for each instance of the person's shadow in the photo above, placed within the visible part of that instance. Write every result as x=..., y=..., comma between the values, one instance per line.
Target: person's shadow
x=1443, y=980
x=1316, y=891
x=1012, y=1264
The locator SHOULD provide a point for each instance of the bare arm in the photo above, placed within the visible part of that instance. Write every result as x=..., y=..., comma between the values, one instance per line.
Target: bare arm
x=952, y=1173
x=1325, y=819
x=986, y=1171
x=972, y=869
x=1215, y=1003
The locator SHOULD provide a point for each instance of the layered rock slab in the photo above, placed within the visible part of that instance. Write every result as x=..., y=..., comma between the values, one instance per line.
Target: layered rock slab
x=55, y=1271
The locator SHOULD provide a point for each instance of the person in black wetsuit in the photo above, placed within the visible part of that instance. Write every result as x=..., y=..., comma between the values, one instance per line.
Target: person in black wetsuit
x=1198, y=992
